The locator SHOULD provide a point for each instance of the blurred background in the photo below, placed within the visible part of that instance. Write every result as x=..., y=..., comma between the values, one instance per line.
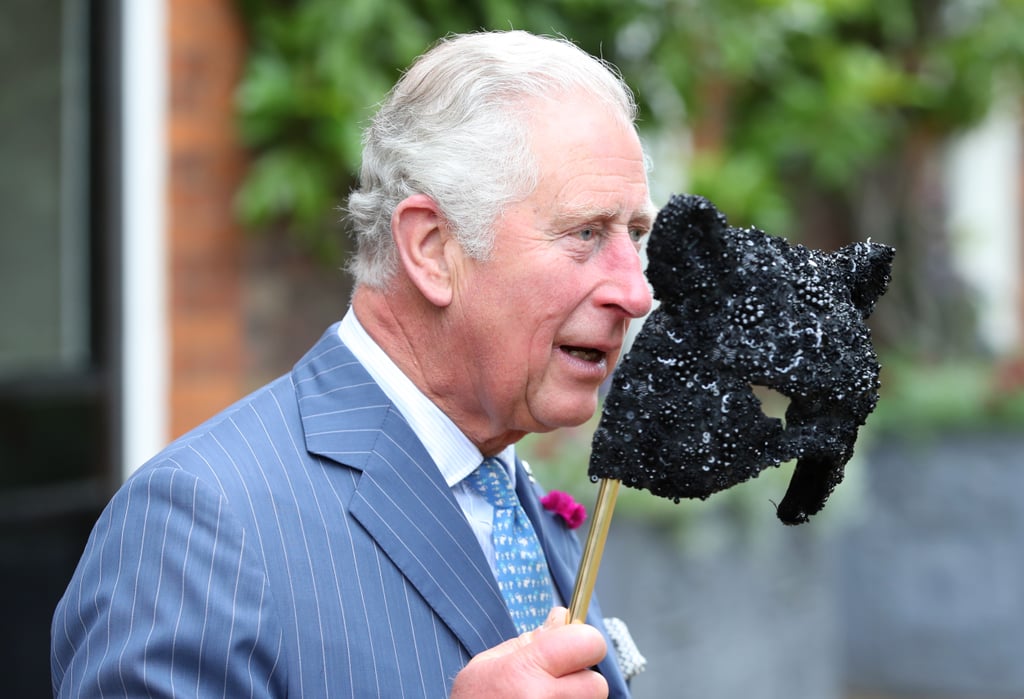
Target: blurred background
x=171, y=239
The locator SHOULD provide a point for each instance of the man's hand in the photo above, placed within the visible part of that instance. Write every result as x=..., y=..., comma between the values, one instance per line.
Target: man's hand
x=552, y=661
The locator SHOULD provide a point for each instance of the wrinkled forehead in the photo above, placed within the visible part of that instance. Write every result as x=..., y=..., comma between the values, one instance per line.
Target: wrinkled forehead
x=590, y=161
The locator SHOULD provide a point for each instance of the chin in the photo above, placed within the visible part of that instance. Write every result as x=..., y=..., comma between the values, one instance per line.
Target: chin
x=572, y=415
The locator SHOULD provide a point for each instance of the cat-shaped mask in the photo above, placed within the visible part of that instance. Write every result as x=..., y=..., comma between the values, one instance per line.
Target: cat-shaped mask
x=739, y=308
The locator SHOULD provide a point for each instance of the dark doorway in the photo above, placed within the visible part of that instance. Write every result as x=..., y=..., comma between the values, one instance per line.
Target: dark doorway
x=59, y=318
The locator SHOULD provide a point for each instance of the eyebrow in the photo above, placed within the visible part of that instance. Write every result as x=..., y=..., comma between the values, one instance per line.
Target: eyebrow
x=643, y=217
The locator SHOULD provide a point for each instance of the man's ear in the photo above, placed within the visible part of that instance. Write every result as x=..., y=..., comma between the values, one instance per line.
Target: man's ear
x=421, y=235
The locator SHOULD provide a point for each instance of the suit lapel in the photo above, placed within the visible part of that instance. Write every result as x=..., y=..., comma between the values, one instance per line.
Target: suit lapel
x=401, y=500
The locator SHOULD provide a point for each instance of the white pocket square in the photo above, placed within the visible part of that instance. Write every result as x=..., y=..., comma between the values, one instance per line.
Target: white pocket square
x=631, y=662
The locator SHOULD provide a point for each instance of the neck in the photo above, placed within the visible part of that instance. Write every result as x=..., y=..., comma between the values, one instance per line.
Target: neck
x=411, y=331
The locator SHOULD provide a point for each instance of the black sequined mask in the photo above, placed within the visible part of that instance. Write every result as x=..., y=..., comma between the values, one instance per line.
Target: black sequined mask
x=739, y=308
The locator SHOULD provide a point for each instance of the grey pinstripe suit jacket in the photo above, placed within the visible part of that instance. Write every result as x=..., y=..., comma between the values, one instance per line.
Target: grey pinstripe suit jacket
x=302, y=543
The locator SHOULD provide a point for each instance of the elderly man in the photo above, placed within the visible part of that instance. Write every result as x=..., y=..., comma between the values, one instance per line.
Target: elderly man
x=361, y=526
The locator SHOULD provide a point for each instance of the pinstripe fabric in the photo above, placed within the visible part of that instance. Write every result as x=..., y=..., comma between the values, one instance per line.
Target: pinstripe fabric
x=301, y=544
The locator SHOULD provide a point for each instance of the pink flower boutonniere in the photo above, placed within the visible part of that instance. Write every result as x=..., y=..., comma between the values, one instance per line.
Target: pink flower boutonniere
x=563, y=505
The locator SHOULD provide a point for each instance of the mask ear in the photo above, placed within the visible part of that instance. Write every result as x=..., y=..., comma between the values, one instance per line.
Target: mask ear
x=869, y=271
x=685, y=248
x=813, y=481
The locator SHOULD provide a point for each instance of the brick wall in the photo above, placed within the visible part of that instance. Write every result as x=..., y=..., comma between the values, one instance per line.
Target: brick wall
x=205, y=47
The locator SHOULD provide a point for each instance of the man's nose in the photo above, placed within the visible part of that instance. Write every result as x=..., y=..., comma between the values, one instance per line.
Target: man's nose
x=627, y=286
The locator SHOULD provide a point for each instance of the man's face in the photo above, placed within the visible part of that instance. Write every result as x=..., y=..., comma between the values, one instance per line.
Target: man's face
x=543, y=319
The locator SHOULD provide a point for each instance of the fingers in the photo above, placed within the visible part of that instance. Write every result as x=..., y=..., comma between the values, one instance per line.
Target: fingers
x=567, y=652
x=551, y=661
x=560, y=649
x=558, y=616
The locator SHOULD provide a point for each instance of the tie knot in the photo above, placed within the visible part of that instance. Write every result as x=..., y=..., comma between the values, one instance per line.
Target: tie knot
x=491, y=480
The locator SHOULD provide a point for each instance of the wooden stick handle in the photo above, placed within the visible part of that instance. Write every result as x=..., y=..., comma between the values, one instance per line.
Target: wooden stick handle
x=593, y=549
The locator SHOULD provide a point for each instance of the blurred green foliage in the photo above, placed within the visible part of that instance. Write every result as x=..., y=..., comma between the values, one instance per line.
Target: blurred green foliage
x=820, y=120
x=801, y=95
x=821, y=91
x=315, y=71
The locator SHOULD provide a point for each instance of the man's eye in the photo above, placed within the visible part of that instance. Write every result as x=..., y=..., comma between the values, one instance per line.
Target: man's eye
x=637, y=234
x=586, y=234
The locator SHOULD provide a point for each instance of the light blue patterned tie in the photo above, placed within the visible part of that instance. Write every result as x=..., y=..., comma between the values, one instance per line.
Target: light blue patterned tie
x=520, y=566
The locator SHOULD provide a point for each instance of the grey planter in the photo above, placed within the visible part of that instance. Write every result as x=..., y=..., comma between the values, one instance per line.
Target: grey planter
x=933, y=574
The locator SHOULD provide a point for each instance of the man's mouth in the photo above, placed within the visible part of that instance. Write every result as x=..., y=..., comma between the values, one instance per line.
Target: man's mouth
x=587, y=354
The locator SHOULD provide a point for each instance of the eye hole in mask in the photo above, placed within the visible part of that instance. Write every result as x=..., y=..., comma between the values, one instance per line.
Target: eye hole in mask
x=773, y=404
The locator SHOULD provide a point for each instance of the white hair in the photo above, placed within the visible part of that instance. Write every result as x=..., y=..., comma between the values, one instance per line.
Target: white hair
x=454, y=127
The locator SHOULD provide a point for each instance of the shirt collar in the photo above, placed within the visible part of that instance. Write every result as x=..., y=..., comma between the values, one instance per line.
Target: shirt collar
x=456, y=457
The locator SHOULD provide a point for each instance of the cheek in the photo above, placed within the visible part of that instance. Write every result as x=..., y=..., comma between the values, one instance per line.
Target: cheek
x=540, y=308
x=529, y=306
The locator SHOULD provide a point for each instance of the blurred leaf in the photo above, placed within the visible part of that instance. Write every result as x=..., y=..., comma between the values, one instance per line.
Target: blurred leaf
x=745, y=188
x=280, y=182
